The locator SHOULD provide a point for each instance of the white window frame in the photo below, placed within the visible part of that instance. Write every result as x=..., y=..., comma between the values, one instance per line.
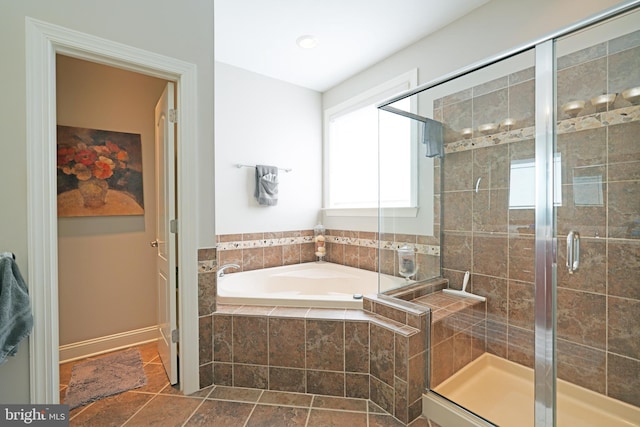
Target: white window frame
x=374, y=95
x=522, y=183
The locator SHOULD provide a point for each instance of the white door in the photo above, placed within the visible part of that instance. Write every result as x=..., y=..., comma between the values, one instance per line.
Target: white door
x=165, y=237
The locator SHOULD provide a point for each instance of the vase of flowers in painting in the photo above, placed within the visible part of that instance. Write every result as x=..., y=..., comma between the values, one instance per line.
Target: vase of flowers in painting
x=92, y=165
x=93, y=192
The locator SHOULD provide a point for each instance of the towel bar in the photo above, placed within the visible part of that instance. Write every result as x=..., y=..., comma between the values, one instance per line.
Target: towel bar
x=253, y=166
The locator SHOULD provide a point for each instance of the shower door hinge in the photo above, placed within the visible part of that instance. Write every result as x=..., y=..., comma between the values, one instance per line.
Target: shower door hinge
x=175, y=336
x=173, y=115
x=173, y=226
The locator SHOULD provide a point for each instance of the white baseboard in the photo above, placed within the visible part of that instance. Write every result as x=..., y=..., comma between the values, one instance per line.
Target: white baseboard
x=95, y=346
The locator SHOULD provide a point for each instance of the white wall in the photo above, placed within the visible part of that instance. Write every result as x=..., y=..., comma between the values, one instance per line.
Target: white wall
x=182, y=30
x=260, y=120
x=496, y=27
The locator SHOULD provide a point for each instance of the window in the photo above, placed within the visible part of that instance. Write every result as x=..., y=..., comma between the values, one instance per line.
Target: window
x=523, y=180
x=355, y=139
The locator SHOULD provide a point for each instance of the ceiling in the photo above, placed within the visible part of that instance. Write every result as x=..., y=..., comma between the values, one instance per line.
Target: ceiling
x=260, y=35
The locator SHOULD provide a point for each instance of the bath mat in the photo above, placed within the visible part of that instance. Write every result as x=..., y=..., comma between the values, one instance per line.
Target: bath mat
x=106, y=376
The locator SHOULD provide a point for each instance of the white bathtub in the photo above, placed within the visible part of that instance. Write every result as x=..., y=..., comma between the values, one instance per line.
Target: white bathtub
x=303, y=285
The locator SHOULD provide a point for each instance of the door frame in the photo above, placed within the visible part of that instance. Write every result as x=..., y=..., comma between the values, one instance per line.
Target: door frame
x=43, y=42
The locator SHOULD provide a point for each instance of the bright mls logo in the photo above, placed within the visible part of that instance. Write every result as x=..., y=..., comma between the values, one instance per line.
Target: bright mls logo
x=36, y=415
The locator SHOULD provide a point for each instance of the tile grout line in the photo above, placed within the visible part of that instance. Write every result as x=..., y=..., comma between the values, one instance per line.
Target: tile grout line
x=309, y=413
x=202, y=400
x=143, y=406
x=255, y=405
x=193, y=412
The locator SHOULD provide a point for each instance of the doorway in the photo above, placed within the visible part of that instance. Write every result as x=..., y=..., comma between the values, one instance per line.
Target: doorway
x=44, y=40
x=106, y=267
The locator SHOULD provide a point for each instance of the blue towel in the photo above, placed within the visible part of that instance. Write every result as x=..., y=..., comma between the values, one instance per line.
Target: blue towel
x=16, y=320
x=266, y=185
x=432, y=137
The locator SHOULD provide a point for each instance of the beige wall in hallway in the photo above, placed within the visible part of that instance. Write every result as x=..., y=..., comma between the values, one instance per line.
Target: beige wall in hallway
x=106, y=266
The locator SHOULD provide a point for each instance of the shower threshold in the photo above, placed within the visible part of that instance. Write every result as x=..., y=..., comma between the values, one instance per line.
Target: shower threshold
x=503, y=392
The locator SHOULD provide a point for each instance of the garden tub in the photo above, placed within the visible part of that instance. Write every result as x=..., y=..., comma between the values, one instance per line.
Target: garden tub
x=313, y=284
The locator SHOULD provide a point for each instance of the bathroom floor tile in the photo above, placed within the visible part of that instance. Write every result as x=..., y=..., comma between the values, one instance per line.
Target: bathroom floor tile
x=286, y=399
x=159, y=403
x=326, y=418
x=341, y=403
x=220, y=413
x=267, y=416
x=235, y=393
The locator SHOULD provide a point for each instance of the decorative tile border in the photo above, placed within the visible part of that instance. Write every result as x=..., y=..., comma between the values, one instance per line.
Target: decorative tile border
x=207, y=266
x=432, y=250
x=342, y=240
x=264, y=243
x=590, y=121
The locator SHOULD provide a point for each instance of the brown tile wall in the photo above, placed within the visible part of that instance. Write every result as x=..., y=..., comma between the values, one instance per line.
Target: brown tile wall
x=458, y=333
x=253, y=251
x=379, y=353
x=335, y=352
x=359, y=249
x=598, y=318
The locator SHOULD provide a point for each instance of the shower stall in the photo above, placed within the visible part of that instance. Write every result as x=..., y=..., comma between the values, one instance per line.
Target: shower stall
x=537, y=194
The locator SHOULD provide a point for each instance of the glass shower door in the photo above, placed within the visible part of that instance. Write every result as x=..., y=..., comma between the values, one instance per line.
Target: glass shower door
x=482, y=350
x=538, y=198
x=597, y=224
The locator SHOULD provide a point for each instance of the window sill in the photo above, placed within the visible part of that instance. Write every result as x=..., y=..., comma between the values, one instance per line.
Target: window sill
x=372, y=212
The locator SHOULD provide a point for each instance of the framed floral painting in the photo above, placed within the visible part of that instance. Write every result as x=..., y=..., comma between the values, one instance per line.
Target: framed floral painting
x=99, y=173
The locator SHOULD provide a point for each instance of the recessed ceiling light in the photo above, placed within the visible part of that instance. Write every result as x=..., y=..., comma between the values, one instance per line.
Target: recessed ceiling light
x=307, y=42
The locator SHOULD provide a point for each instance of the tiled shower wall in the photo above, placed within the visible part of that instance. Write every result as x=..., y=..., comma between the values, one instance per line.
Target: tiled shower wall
x=598, y=321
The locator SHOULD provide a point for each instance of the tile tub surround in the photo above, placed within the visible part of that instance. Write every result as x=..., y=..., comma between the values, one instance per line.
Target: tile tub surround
x=357, y=249
x=598, y=308
x=207, y=286
x=334, y=352
x=381, y=375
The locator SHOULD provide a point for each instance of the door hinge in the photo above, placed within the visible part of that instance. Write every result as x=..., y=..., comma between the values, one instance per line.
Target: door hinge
x=173, y=115
x=175, y=336
x=173, y=226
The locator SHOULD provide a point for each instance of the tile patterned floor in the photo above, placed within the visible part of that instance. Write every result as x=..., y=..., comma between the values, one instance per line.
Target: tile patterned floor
x=160, y=404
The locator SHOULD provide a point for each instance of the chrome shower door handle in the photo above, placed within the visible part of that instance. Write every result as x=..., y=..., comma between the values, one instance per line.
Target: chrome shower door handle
x=573, y=251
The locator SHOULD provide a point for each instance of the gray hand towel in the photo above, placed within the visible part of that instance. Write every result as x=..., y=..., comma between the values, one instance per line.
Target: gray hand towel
x=266, y=192
x=433, y=139
x=16, y=319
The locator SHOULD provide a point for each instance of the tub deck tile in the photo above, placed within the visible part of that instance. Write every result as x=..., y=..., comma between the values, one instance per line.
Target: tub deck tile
x=226, y=308
x=326, y=313
x=254, y=310
x=298, y=312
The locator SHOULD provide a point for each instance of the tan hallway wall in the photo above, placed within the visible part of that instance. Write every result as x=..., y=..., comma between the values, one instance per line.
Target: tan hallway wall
x=106, y=265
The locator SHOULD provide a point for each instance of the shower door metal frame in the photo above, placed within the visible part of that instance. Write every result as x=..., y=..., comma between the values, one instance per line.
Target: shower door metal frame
x=545, y=234
x=545, y=240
